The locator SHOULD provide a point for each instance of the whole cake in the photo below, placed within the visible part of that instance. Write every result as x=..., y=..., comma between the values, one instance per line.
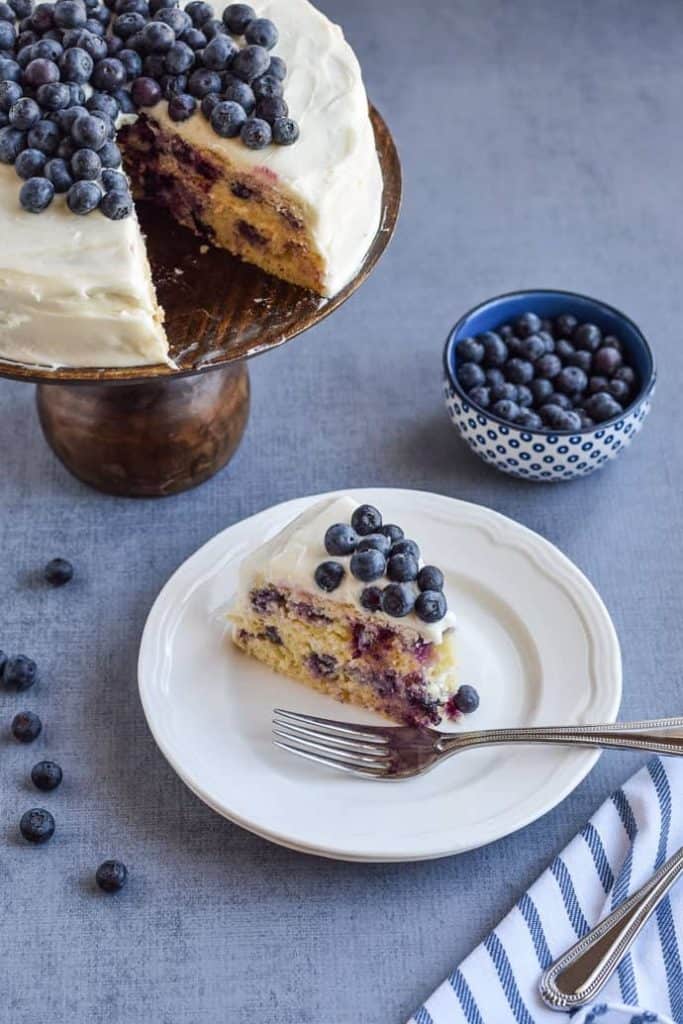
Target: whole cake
x=342, y=602
x=249, y=123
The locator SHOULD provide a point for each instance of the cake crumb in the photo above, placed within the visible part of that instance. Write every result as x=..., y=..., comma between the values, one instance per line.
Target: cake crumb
x=203, y=249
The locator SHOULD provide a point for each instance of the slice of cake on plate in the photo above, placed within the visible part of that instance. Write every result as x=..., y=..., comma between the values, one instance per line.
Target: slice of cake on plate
x=342, y=602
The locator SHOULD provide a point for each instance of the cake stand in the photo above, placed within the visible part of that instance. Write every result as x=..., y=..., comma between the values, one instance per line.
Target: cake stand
x=150, y=431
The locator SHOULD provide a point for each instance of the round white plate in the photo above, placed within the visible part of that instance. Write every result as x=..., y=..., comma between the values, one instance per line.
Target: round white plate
x=534, y=638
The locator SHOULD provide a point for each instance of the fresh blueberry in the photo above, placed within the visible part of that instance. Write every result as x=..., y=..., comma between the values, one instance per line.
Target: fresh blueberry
x=495, y=349
x=227, y=119
x=40, y=71
x=268, y=86
x=285, y=131
x=470, y=375
x=261, y=32
x=586, y=421
x=402, y=568
x=547, y=339
x=620, y=390
x=506, y=409
x=506, y=332
x=565, y=325
x=158, y=37
x=46, y=775
x=30, y=163
x=26, y=726
x=181, y=107
x=44, y=136
x=397, y=600
x=571, y=380
x=588, y=337
x=393, y=532
x=541, y=389
x=271, y=109
x=179, y=59
x=123, y=98
x=504, y=392
x=69, y=14
x=89, y=131
x=603, y=407
x=154, y=65
x=126, y=25
x=368, y=565
x=85, y=165
x=430, y=606
x=250, y=63
x=10, y=92
x=37, y=825
x=178, y=20
x=239, y=92
x=605, y=360
x=329, y=575
x=132, y=62
x=532, y=347
x=406, y=547
x=145, y=92
x=114, y=181
x=65, y=150
x=526, y=324
x=378, y=541
x=470, y=350
x=548, y=366
x=466, y=700
x=212, y=28
x=237, y=18
x=111, y=875
x=21, y=8
x=559, y=398
x=36, y=194
x=366, y=519
x=480, y=396
x=116, y=205
x=195, y=39
x=110, y=155
x=278, y=68
x=10, y=71
x=199, y=11
x=494, y=376
x=627, y=374
x=557, y=418
x=583, y=359
x=102, y=103
x=371, y=599
x=211, y=100
x=525, y=397
x=8, y=35
x=24, y=114
x=529, y=420
x=110, y=74
x=564, y=349
x=256, y=133
x=597, y=384
x=218, y=53
x=340, y=539
x=202, y=82
x=83, y=197
x=54, y=96
x=173, y=85
x=519, y=371
x=430, y=578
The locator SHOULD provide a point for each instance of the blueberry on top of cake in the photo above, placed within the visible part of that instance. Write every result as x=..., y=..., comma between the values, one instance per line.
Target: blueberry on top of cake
x=343, y=602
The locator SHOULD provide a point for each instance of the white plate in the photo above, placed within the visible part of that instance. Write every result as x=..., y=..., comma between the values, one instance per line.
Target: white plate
x=534, y=637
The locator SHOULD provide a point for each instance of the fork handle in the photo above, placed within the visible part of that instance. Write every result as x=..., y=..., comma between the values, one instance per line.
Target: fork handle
x=579, y=975
x=660, y=736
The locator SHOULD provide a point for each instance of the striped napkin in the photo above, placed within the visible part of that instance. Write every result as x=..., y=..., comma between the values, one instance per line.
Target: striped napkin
x=631, y=835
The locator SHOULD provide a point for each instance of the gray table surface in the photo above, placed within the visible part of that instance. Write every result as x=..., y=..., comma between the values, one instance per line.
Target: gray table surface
x=541, y=143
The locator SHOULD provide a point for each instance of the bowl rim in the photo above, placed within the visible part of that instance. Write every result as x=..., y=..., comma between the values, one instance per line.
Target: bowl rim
x=644, y=393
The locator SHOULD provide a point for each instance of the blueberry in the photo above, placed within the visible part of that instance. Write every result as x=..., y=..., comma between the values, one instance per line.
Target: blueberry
x=179, y=59
x=10, y=92
x=495, y=349
x=9, y=70
x=40, y=71
x=406, y=547
x=494, y=376
x=526, y=324
x=178, y=20
x=37, y=825
x=532, y=347
x=340, y=539
x=565, y=350
x=504, y=392
x=560, y=419
x=227, y=119
x=237, y=18
x=54, y=96
x=46, y=775
x=570, y=380
x=239, y=92
x=30, y=163
x=203, y=81
x=565, y=325
x=116, y=204
x=506, y=332
x=430, y=606
x=8, y=35
x=123, y=98
x=402, y=567
x=69, y=14
x=114, y=181
x=256, y=133
x=173, y=85
x=480, y=396
x=620, y=390
x=541, y=389
x=470, y=375
x=85, y=165
x=111, y=875
x=559, y=398
x=378, y=541
x=211, y=100
x=603, y=407
x=89, y=131
x=582, y=359
x=250, y=63
x=548, y=366
x=529, y=419
x=430, y=578
x=272, y=109
x=65, y=150
x=36, y=194
x=110, y=155
x=597, y=384
x=132, y=63
x=195, y=39
x=605, y=360
x=393, y=532
x=366, y=519
x=397, y=600
x=26, y=726
x=368, y=565
x=154, y=65
x=586, y=421
x=627, y=374
x=278, y=68
x=525, y=397
x=519, y=371
x=110, y=74
x=466, y=700
x=470, y=350
x=83, y=197
x=181, y=107
x=22, y=8
x=77, y=63
x=199, y=12
x=285, y=131
x=371, y=599
x=24, y=114
x=158, y=37
x=212, y=28
x=587, y=336
x=145, y=92
x=126, y=25
x=506, y=410
x=547, y=339
x=218, y=54
x=261, y=32
x=329, y=575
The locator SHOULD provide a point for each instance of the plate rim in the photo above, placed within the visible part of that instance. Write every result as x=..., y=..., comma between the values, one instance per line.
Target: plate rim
x=585, y=759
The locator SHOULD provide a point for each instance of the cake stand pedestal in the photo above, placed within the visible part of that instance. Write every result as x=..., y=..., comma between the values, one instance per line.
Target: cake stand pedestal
x=150, y=431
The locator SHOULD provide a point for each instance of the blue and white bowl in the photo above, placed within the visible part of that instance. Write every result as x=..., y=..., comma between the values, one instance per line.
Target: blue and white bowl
x=537, y=454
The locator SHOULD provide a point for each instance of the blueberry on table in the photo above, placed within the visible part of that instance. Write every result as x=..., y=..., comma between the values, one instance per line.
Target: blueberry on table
x=470, y=375
x=480, y=396
x=430, y=578
x=368, y=565
x=506, y=409
x=366, y=519
x=37, y=825
x=529, y=420
x=606, y=360
x=565, y=325
x=541, y=389
x=430, y=606
x=377, y=541
x=46, y=775
x=587, y=336
x=571, y=380
x=470, y=350
x=397, y=600
x=340, y=539
x=26, y=726
x=402, y=568
x=495, y=349
x=466, y=699
x=533, y=347
x=406, y=547
x=20, y=672
x=371, y=599
x=506, y=391
x=548, y=366
x=392, y=531
x=526, y=324
x=329, y=575
x=519, y=371
x=111, y=875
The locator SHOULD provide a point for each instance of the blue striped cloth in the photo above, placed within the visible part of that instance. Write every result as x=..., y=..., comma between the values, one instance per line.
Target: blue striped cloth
x=631, y=835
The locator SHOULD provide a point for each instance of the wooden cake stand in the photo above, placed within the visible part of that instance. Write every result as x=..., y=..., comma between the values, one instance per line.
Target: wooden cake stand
x=150, y=431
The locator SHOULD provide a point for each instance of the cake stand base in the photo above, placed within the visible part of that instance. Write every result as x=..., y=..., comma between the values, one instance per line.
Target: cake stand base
x=151, y=439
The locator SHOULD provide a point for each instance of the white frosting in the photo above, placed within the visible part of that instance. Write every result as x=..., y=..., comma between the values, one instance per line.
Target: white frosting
x=76, y=291
x=292, y=556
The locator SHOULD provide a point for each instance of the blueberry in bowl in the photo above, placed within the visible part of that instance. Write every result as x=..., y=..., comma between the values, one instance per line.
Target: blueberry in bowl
x=547, y=385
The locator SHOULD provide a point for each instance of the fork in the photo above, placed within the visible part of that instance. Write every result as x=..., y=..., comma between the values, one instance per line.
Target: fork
x=391, y=753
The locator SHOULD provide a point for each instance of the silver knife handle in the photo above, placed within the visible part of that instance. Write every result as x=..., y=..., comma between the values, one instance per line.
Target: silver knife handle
x=579, y=975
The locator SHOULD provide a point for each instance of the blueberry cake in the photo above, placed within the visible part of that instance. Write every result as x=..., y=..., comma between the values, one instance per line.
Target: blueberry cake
x=342, y=602
x=249, y=123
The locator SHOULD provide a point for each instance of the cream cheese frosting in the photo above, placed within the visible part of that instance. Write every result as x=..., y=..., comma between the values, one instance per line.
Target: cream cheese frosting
x=76, y=291
x=291, y=557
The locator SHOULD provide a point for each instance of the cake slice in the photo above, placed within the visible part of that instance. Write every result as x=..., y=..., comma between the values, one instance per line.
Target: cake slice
x=343, y=603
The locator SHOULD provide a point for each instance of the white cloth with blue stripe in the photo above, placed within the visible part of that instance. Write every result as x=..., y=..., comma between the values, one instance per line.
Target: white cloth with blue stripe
x=631, y=835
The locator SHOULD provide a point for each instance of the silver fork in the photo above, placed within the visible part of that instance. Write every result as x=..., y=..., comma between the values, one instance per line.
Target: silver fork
x=390, y=753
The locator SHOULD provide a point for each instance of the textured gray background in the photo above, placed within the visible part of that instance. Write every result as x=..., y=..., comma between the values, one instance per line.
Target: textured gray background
x=541, y=143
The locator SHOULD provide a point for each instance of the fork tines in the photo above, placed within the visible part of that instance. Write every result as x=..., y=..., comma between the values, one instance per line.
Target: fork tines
x=349, y=748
